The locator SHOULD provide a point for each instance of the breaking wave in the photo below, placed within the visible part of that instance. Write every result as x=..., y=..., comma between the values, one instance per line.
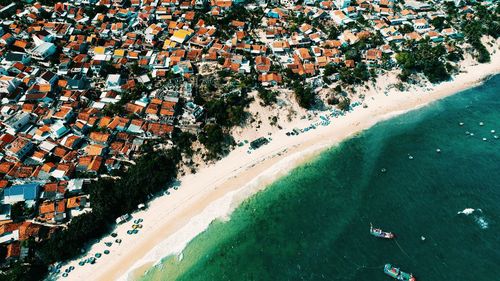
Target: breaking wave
x=480, y=220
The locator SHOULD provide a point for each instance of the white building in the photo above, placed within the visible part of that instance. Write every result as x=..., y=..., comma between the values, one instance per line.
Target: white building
x=15, y=123
x=43, y=51
x=342, y=4
x=113, y=82
x=8, y=84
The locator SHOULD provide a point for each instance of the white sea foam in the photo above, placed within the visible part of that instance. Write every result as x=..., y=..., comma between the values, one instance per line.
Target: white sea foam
x=480, y=220
x=466, y=211
x=219, y=209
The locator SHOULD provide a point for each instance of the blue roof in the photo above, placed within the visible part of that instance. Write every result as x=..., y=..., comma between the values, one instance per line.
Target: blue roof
x=29, y=191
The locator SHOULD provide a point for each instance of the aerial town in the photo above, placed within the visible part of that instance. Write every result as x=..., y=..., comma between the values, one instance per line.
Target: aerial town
x=86, y=84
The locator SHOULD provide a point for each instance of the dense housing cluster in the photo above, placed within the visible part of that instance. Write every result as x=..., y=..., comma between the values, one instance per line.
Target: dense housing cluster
x=84, y=84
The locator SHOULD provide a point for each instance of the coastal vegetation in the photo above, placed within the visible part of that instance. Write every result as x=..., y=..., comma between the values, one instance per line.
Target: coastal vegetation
x=426, y=59
x=125, y=102
x=216, y=140
x=344, y=104
x=152, y=174
x=305, y=95
x=356, y=75
x=267, y=96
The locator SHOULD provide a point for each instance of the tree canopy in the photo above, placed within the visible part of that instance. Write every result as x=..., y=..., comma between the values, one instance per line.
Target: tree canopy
x=424, y=58
x=305, y=95
x=109, y=200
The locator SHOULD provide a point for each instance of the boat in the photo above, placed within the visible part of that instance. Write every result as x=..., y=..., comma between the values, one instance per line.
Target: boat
x=377, y=232
x=397, y=274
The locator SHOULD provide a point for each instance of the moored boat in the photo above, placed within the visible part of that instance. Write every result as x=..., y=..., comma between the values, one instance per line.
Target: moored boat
x=377, y=232
x=396, y=273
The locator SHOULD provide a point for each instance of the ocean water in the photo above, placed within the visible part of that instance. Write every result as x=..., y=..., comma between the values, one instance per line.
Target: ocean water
x=314, y=223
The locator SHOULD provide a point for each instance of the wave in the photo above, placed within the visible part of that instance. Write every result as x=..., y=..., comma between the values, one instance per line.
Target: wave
x=479, y=219
x=466, y=211
x=220, y=209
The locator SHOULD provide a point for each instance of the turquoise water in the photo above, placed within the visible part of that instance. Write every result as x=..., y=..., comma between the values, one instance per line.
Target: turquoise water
x=314, y=223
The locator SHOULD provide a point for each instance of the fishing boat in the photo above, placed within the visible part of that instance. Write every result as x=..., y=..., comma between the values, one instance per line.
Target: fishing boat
x=397, y=274
x=377, y=232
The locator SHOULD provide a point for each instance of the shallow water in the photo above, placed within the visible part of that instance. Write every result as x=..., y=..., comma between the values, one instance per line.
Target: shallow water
x=314, y=223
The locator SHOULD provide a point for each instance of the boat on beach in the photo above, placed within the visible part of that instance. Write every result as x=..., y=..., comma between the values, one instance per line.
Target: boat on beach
x=377, y=232
x=397, y=274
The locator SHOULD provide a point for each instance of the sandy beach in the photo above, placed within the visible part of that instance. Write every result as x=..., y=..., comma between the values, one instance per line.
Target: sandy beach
x=171, y=221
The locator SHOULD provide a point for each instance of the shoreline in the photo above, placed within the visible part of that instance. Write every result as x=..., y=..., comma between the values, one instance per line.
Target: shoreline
x=172, y=221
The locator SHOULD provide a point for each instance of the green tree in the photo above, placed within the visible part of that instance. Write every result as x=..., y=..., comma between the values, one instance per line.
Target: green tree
x=333, y=33
x=17, y=211
x=305, y=96
x=426, y=59
x=344, y=104
x=215, y=140
x=268, y=97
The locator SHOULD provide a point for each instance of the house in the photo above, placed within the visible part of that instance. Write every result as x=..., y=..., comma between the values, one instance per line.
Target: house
x=373, y=56
x=75, y=185
x=421, y=25
x=339, y=17
x=417, y=5
x=76, y=205
x=52, y=211
x=450, y=32
x=9, y=236
x=19, y=148
x=114, y=82
x=27, y=193
x=342, y=4
x=270, y=79
x=12, y=57
x=262, y=64
x=58, y=129
x=43, y=51
x=180, y=36
x=8, y=84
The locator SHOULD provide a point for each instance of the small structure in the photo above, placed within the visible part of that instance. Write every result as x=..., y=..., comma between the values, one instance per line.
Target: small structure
x=258, y=142
x=27, y=193
x=123, y=219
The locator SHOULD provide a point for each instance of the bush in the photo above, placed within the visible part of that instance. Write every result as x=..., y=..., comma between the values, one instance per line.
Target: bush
x=473, y=32
x=344, y=104
x=229, y=110
x=305, y=96
x=426, y=59
x=215, y=140
x=268, y=97
x=109, y=200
